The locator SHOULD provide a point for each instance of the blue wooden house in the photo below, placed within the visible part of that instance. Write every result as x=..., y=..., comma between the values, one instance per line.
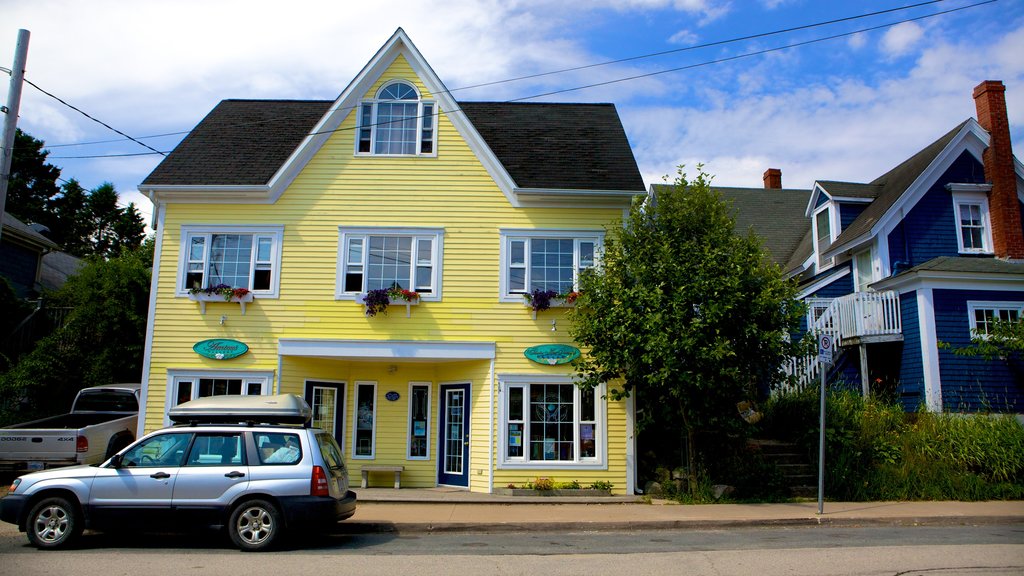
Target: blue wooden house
x=906, y=268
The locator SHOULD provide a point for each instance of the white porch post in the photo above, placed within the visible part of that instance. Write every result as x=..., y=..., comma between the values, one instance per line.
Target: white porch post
x=929, y=350
x=865, y=384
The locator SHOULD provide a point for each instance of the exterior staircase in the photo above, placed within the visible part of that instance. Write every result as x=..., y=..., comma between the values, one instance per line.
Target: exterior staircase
x=800, y=476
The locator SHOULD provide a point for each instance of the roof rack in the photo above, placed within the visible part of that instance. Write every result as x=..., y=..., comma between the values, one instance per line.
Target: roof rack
x=232, y=409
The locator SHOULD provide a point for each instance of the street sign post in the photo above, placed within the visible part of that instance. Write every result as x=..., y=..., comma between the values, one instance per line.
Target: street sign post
x=825, y=345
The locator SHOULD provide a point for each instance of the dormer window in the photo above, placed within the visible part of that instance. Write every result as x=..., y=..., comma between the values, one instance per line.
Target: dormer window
x=823, y=236
x=974, y=236
x=396, y=123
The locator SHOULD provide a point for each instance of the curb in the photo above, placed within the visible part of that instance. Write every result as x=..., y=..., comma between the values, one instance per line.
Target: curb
x=498, y=527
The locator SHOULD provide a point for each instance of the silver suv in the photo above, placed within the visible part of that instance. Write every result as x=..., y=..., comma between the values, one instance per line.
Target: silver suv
x=244, y=462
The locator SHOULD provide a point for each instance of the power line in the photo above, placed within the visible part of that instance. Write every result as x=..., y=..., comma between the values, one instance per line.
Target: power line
x=605, y=83
x=143, y=144
x=605, y=63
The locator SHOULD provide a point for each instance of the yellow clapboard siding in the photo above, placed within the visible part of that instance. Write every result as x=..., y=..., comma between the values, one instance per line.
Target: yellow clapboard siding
x=337, y=188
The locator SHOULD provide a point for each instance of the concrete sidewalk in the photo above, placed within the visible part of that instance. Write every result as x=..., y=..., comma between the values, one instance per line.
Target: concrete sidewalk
x=443, y=510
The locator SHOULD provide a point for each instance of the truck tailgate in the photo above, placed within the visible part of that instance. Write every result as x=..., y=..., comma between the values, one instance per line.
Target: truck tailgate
x=37, y=446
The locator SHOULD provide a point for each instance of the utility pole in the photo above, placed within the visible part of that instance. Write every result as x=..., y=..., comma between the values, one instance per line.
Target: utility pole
x=11, y=118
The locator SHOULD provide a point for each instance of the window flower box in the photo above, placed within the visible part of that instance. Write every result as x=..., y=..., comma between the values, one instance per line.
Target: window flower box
x=220, y=293
x=541, y=300
x=377, y=301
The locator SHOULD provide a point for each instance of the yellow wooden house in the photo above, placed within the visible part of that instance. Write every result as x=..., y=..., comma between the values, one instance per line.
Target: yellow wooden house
x=308, y=214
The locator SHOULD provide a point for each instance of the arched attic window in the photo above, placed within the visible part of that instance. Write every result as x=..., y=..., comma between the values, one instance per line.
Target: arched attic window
x=396, y=122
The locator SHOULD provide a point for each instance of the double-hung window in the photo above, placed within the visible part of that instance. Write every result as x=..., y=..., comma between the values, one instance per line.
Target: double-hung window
x=383, y=258
x=972, y=223
x=397, y=122
x=240, y=257
x=982, y=316
x=545, y=260
x=823, y=236
x=551, y=422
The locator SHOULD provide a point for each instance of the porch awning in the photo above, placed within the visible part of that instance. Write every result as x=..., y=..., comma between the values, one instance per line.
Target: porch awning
x=431, y=351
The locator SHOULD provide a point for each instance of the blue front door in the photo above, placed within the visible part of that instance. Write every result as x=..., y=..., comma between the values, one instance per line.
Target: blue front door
x=453, y=454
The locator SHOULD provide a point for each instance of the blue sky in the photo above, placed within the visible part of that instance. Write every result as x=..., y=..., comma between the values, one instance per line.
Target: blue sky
x=843, y=109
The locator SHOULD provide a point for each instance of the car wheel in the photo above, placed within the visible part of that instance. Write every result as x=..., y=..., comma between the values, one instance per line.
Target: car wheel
x=255, y=525
x=53, y=523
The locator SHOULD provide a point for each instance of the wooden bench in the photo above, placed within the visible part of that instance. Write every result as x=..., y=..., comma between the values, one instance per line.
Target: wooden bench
x=375, y=468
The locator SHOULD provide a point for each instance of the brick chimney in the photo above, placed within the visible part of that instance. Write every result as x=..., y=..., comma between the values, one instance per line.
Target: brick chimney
x=773, y=179
x=1003, y=206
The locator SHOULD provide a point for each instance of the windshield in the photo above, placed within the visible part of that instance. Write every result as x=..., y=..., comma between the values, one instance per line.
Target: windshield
x=106, y=401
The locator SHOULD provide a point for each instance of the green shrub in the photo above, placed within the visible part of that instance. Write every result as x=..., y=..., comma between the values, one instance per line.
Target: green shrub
x=875, y=451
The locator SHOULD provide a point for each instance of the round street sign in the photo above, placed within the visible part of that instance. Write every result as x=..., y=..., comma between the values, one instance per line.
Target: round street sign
x=825, y=345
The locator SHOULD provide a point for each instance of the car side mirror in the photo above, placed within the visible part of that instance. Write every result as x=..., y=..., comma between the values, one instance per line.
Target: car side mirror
x=115, y=461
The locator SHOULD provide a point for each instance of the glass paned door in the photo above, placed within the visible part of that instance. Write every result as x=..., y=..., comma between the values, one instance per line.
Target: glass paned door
x=327, y=400
x=453, y=465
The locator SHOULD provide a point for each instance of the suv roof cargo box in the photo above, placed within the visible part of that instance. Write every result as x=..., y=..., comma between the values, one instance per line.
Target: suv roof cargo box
x=229, y=409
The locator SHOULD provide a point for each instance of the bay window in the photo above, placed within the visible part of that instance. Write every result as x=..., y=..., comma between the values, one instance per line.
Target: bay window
x=550, y=422
x=240, y=257
x=545, y=260
x=381, y=258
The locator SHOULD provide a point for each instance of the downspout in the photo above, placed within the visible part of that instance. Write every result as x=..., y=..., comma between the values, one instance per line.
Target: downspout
x=490, y=435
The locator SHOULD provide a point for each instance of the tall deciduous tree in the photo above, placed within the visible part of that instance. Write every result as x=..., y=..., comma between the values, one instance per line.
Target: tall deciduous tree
x=689, y=316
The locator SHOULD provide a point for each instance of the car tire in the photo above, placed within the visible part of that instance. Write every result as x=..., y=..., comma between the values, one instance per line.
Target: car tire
x=255, y=525
x=53, y=523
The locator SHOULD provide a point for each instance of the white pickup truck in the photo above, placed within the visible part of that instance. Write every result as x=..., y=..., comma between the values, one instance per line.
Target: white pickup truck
x=102, y=421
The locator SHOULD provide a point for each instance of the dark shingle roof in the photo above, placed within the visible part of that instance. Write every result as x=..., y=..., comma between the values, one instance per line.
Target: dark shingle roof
x=892, y=185
x=850, y=189
x=776, y=215
x=562, y=146
x=969, y=265
x=240, y=142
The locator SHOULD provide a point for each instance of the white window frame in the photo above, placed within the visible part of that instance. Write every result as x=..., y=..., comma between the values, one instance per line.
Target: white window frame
x=833, y=224
x=408, y=422
x=857, y=287
x=339, y=409
x=345, y=235
x=972, y=199
x=814, y=304
x=426, y=121
x=355, y=420
x=598, y=462
x=275, y=233
x=175, y=377
x=996, y=308
x=514, y=235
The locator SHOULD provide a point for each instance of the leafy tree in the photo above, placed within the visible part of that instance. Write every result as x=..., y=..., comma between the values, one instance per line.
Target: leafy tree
x=1005, y=340
x=33, y=180
x=689, y=316
x=102, y=340
x=82, y=223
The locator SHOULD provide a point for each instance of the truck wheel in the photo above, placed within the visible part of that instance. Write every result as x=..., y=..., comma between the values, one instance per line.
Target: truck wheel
x=53, y=523
x=255, y=525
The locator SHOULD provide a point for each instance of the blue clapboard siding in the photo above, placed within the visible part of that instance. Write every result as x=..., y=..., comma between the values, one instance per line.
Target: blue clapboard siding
x=974, y=384
x=848, y=212
x=19, y=265
x=840, y=287
x=911, y=382
x=929, y=229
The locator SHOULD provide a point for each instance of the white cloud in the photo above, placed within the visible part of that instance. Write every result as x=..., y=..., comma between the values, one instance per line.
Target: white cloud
x=901, y=38
x=684, y=37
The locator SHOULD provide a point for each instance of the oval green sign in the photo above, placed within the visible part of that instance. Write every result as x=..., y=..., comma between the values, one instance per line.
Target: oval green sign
x=552, y=354
x=219, y=349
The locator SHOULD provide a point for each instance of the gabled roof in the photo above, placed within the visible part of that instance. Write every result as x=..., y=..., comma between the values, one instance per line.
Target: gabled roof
x=891, y=187
x=837, y=189
x=225, y=159
x=25, y=234
x=240, y=142
x=561, y=146
x=245, y=142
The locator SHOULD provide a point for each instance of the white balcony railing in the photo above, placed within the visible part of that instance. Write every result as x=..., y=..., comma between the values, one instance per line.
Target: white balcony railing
x=861, y=315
